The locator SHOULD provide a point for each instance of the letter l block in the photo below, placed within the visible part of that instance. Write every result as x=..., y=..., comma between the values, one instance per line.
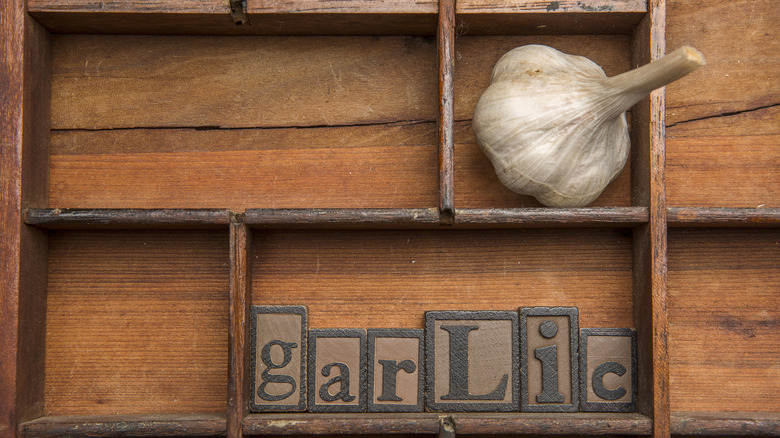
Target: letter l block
x=472, y=361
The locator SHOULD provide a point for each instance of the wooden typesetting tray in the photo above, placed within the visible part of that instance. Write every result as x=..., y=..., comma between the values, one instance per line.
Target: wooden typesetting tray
x=173, y=162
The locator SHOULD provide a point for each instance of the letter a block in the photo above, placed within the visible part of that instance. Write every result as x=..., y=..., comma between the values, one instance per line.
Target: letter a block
x=278, y=358
x=395, y=370
x=549, y=363
x=608, y=370
x=471, y=361
x=337, y=370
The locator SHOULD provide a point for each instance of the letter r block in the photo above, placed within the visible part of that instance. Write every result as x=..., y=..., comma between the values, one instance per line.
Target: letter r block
x=396, y=370
x=608, y=370
x=471, y=361
x=278, y=358
x=337, y=370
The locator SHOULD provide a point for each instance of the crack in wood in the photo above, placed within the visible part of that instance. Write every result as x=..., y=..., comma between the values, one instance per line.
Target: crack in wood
x=240, y=128
x=724, y=114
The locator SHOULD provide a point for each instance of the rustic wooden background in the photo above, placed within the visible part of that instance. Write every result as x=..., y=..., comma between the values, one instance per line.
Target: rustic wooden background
x=192, y=120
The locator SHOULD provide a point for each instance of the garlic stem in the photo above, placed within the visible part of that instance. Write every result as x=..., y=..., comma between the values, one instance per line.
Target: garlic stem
x=630, y=87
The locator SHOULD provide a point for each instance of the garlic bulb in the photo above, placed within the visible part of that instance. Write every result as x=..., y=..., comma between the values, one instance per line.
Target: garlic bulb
x=554, y=125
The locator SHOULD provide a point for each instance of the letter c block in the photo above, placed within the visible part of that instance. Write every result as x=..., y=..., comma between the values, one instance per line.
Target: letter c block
x=278, y=358
x=608, y=370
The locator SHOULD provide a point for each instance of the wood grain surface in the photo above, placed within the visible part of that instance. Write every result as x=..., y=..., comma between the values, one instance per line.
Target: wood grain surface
x=388, y=279
x=723, y=121
x=137, y=323
x=724, y=320
x=321, y=122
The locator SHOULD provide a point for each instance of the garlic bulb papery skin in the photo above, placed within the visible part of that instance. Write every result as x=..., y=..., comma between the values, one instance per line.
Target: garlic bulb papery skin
x=554, y=125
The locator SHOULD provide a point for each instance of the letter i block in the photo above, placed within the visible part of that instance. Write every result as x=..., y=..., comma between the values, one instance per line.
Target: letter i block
x=549, y=363
x=395, y=370
x=608, y=370
x=471, y=361
x=337, y=370
x=278, y=358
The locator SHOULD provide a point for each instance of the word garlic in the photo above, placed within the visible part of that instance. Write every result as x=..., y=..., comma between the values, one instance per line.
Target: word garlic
x=554, y=125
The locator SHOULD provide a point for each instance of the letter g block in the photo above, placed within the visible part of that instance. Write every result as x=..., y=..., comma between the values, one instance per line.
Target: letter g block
x=278, y=358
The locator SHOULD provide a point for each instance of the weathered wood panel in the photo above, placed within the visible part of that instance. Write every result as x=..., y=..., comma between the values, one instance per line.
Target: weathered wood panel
x=734, y=171
x=375, y=279
x=740, y=41
x=723, y=121
x=137, y=323
x=724, y=320
x=382, y=176
x=229, y=82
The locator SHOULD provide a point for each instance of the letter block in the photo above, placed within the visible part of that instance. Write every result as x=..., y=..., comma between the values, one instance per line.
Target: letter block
x=337, y=370
x=471, y=361
x=608, y=370
x=278, y=358
x=396, y=370
x=549, y=362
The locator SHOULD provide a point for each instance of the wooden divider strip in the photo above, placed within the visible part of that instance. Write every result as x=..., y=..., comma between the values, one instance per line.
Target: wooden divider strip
x=184, y=425
x=57, y=218
x=650, y=295
x=446, y=45
x=238, y=345
x=24, y=126
x=569, y=217
x=723, y=217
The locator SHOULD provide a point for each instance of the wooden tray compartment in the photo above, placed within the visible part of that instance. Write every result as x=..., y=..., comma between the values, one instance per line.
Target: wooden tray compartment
x=388, y=279
x=136, y=322
x=243, y=122
x=723, y=320
x=396, y=183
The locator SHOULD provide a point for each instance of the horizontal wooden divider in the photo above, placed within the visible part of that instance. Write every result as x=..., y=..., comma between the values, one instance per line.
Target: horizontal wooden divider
x=55, y=218
x=466, y=423
x=395, y=217
x=182, y=425
x=725, y=424
x=547, y=217
x=726, y=217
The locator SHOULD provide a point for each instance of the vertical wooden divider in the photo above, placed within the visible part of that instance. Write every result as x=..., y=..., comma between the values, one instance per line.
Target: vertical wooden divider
x=649, y=265
x=238, y=348
x=25, y=71
x=446, y=45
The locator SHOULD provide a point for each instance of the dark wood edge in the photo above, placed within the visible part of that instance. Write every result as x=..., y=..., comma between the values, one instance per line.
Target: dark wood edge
x=240, y=297
x=184, y=425
x=554, y=424
x=341, y=217
x=125, y=218
x=574, y=217
x=446, y=48
x=319, y=424
x=158, y=22
x=722, y=217
x=651, y=317
x=726, y=424
x=25, y=90
x=465, y=423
